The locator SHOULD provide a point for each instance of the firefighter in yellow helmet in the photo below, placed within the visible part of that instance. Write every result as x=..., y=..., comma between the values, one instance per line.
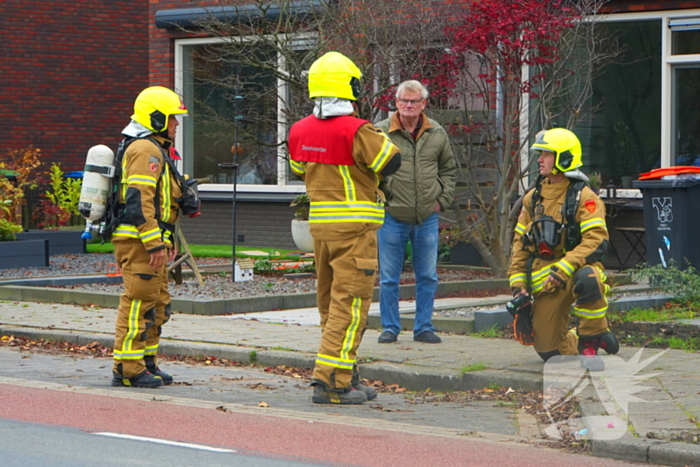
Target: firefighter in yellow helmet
x=342, y=159
x=150, y=191
x=559, y=241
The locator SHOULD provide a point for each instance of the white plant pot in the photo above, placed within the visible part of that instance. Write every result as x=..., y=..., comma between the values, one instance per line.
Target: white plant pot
x=302, y=238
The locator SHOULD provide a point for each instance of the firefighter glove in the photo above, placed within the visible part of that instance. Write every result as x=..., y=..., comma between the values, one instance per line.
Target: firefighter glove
x=522, y=326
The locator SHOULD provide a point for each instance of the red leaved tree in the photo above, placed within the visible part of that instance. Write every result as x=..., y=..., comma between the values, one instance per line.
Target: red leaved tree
x=507, y=61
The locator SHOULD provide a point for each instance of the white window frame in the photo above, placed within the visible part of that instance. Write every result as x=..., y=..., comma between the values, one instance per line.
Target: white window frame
x=282, y=186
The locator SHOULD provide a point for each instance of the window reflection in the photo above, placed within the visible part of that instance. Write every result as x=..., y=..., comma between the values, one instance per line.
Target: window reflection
x=687, y=116
x=623, y=139
x=213, y=80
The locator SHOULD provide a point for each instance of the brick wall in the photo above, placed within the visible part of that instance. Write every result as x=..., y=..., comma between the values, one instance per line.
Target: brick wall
x=69, y=73
x=262, y=224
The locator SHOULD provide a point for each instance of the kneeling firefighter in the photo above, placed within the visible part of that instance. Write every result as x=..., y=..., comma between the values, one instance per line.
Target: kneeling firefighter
x=342, y=159
x=148, y=196
x=559, y=241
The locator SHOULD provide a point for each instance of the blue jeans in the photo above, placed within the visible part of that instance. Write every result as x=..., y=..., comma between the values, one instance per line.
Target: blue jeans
x=393, y=238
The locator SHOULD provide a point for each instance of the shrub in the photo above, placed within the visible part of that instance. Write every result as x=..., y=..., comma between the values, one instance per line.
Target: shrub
x=60, y=203
x=20, y=165
x=8, y=230
x=683, y=285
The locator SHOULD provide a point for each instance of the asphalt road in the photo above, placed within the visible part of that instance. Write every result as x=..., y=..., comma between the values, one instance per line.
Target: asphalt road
x=55, y=402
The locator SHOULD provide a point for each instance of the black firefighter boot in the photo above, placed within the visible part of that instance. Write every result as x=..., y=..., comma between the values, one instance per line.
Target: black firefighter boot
x=150, y=361
x=356, y=383
x=144, y=380
x=323, y=394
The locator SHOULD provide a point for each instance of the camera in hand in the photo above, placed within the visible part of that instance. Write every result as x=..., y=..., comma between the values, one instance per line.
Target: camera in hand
x=519, y=302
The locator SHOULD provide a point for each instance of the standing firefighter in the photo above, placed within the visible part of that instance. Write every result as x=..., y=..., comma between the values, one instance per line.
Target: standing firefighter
x=341, y=158
x=150, y=192
x=560, y=239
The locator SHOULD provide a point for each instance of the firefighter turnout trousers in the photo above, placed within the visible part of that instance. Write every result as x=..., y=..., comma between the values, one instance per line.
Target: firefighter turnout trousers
x=346, y=271
x=144, y=306
x=585, y=290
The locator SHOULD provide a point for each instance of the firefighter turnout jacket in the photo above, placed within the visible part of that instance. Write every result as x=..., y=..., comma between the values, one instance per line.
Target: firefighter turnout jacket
x=149, y=191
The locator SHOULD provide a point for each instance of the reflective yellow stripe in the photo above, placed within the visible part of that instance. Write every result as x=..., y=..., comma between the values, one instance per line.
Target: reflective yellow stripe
x=519, y=228
x=128, y=356
x=151, y=350
x=165, y=195
x=126, y=351
x=334, y=362
x=351, y=331
x=591, y=223
x=591, y=314
x=150, y=235
x=565, y=266
x=141, y=180
x=126, y=231
x=341, y=211
x=348, y=184
x=383, y=155
x=517, y=278
x=297, y=168
x=539, y=277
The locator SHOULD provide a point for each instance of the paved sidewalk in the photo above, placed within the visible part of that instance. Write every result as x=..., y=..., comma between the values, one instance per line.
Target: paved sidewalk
x=669, y=406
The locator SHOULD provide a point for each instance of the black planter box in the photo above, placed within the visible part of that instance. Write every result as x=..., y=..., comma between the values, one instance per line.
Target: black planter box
x=60, y=241
x=465, y=253
x=24, y=254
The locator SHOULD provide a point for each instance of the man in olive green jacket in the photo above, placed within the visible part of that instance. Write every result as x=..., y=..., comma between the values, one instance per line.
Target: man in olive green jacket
x=416, y=193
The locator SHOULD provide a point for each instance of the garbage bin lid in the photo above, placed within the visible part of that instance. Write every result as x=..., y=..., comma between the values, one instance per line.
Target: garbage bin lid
x=675, y=170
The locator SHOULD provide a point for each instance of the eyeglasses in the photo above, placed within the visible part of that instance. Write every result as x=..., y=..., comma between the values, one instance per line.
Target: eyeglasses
x=409, y=101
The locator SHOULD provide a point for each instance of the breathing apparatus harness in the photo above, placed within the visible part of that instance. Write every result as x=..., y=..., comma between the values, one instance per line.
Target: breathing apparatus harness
x=545, y=233
x=116, y=211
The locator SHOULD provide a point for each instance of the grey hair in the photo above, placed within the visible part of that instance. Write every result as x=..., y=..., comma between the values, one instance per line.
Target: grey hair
x=412, y=85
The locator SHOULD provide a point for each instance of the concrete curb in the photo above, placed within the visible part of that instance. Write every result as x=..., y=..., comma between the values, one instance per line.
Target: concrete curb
x=36, y=290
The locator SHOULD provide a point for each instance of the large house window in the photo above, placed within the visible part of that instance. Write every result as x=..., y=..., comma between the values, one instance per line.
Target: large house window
x=232, y=104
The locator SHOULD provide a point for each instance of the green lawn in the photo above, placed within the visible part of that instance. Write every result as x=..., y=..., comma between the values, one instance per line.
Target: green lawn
x=207, y=251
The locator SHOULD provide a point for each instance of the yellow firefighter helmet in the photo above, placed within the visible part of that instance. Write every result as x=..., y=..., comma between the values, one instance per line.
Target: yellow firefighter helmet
x=334, y=75
x=565, y=146
x=154, y=105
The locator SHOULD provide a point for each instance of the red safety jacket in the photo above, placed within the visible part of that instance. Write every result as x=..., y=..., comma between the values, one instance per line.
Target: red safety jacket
x=328, y=141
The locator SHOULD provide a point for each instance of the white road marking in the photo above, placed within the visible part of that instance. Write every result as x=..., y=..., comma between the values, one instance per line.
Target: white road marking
x=164, y=441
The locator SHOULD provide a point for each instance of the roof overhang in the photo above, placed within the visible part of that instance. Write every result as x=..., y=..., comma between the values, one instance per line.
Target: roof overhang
x=245, y=13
